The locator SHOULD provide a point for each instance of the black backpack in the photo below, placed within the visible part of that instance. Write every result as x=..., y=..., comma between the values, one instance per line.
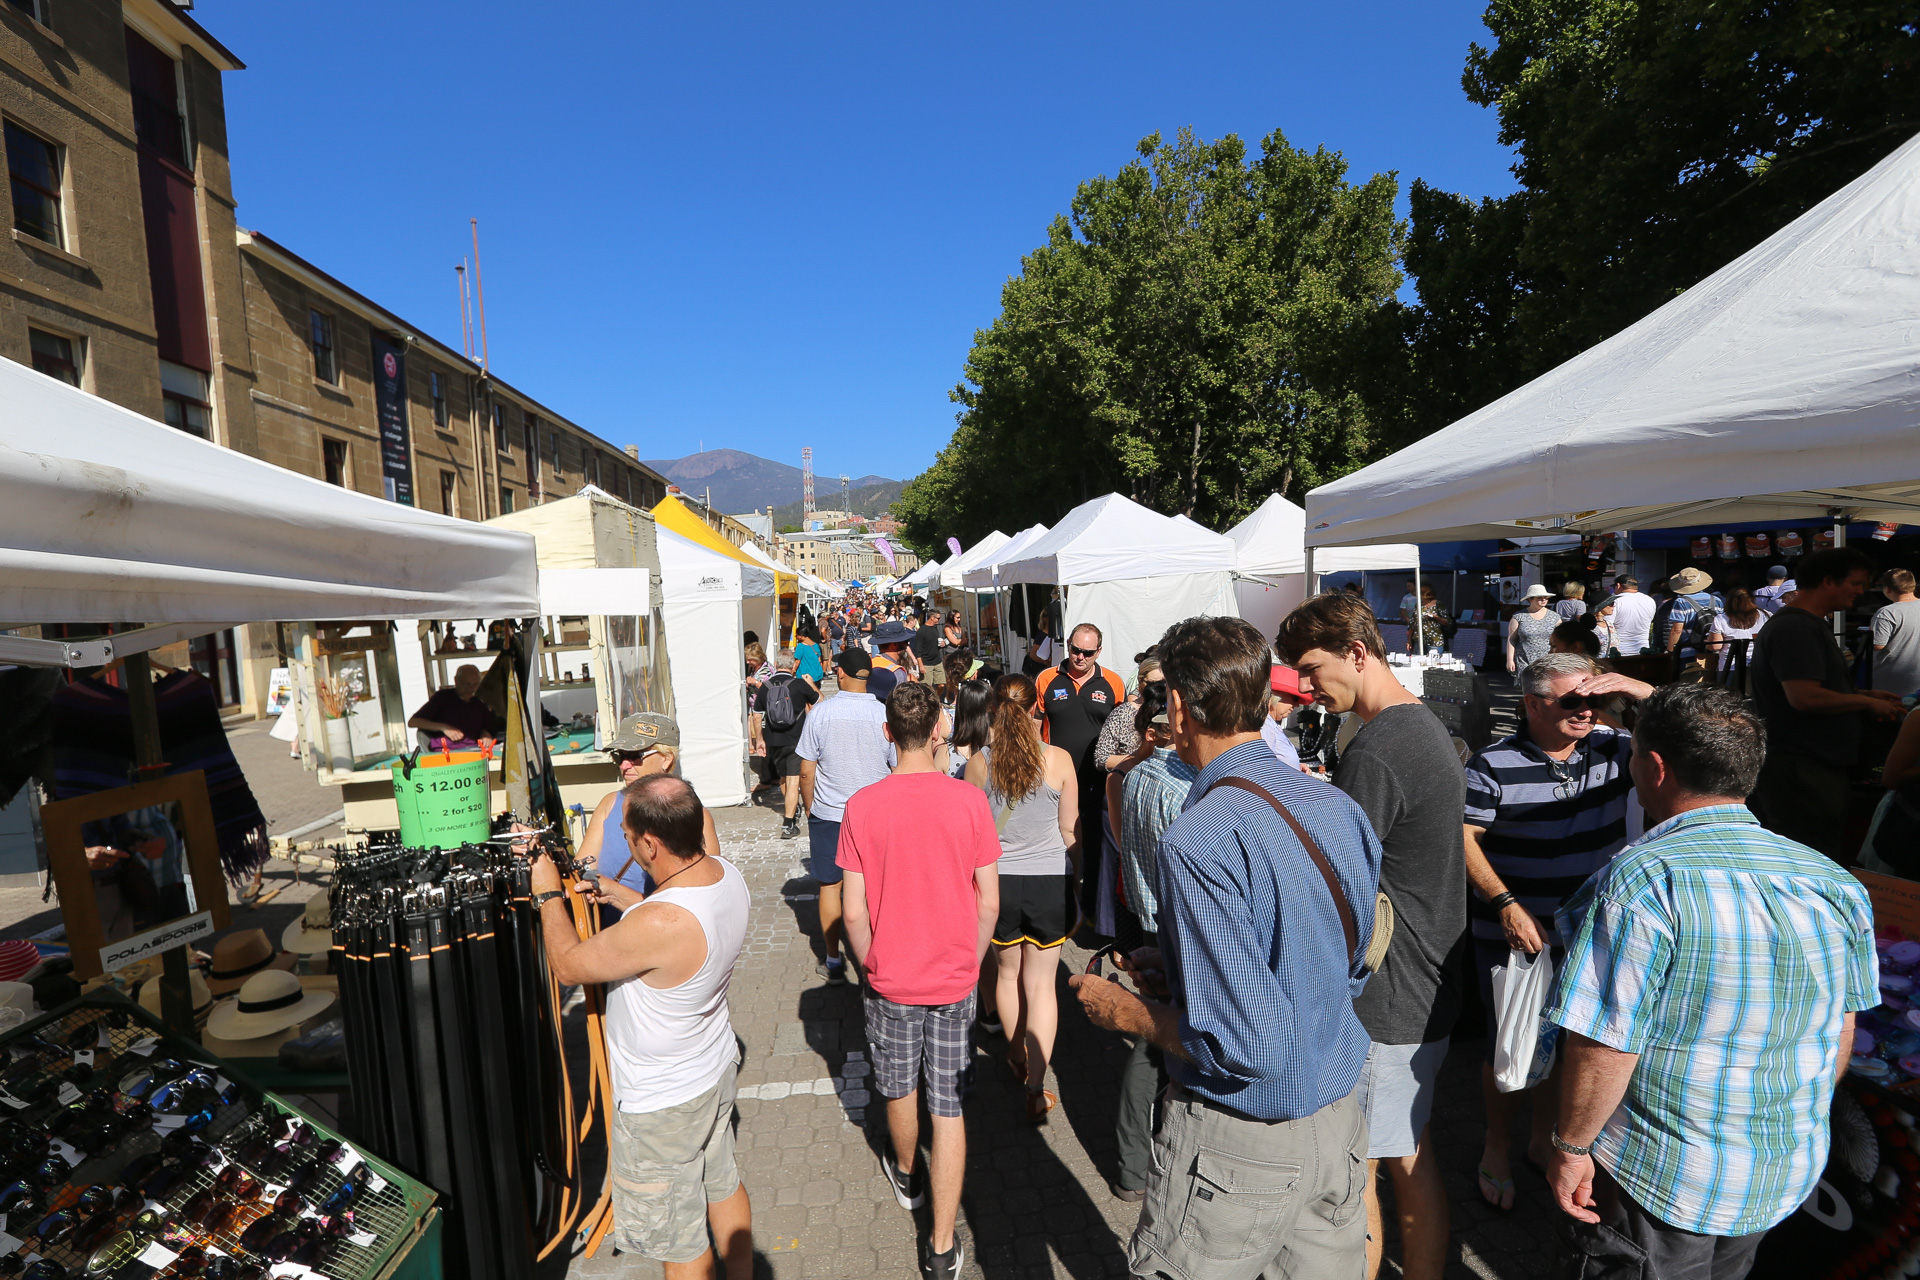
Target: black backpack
x=781, y=714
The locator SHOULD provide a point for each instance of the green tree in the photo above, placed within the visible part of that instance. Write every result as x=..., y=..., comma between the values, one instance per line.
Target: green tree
x=1200, y=330
x=1655, y=141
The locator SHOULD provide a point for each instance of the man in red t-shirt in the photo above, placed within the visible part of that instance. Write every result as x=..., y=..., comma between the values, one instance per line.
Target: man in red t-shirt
x=921, y=895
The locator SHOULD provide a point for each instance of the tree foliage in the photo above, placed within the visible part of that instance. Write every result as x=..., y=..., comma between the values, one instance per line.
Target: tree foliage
x=1202, y=329
x=1655, y=141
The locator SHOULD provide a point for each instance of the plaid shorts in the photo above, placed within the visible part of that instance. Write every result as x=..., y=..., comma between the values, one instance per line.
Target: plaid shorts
x=911, y=1041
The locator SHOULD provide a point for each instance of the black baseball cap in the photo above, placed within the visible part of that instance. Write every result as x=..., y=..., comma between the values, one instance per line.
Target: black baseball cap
x=854, y=662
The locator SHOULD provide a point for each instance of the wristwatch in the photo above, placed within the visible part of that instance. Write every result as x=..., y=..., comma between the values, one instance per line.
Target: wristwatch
x=542, y=899
x=1561, y=1144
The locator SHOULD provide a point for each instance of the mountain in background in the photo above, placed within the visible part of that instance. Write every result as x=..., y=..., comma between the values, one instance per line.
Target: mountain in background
x=742, y=482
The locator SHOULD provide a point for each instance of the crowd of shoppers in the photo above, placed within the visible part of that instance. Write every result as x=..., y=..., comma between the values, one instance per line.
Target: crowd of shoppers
x=1298, y=946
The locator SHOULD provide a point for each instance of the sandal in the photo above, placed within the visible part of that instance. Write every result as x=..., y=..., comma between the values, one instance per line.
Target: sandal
x=1502, y=1188
x=1039, y=1103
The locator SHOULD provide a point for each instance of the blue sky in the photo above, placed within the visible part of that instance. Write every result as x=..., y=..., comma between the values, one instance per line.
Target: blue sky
x=763, y=226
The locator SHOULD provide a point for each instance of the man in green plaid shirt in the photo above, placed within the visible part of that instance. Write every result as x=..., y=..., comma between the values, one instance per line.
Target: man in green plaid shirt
x=1711, y=979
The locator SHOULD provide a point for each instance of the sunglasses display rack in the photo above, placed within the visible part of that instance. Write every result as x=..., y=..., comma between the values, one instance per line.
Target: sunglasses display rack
x=456, y=1067
x=126, y=1154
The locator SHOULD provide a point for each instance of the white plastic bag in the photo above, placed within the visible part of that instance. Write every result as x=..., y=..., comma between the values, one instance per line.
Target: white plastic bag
x=1524, y=1044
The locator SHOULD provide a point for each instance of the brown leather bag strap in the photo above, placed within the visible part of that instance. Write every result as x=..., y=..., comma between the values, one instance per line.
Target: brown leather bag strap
x=1313, y=851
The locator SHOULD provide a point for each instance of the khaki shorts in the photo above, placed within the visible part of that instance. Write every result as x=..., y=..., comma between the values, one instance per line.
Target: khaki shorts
x=668, y=1166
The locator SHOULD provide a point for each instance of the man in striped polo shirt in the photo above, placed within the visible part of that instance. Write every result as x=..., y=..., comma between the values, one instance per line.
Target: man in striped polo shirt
x=1546, y=807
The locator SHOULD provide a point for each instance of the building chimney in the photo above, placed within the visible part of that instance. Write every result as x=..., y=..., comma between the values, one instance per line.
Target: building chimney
x=633, y=451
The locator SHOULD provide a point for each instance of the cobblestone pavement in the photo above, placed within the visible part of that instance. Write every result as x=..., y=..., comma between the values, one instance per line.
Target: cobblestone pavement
x=1036, y=1201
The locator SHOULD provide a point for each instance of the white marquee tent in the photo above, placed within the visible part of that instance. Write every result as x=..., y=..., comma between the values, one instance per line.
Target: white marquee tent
x=109, y=516
x=1130, y=571
x=1783, y=387
x=1270, y=562
x=953, y=575
x=983, y=574
x=708, y=602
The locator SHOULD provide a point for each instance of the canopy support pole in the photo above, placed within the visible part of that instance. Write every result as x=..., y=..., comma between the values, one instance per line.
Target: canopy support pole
x=1419, y=612
x=1839, y=615
x=1312, y=584
x=143, y=714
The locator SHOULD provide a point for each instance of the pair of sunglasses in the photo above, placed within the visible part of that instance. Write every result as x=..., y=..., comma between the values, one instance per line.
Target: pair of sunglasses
x=1578, y=701
x=632, y=757
x=1078, y=652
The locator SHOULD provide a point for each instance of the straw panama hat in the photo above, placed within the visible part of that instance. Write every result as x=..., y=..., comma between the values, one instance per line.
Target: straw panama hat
x=202, y=997
x=1537, y=589
x=238, y=956
x=270, y=1001
x=312, y=933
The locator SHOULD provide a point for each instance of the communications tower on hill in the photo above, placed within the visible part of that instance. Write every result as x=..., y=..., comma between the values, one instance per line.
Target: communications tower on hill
x=806, y=487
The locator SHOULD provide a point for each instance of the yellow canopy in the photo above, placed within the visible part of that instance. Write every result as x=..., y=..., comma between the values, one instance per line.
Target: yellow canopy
x=676, y=515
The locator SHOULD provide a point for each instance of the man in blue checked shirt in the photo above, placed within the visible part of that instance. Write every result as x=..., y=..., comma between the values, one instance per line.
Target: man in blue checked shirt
x=1260, y=1162
x=1708, y=995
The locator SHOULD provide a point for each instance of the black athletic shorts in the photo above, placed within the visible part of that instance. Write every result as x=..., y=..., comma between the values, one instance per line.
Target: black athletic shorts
x=1036, y=909
x=781, y=762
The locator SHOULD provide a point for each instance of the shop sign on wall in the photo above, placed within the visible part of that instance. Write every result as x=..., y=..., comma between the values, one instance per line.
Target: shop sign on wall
x=390, y=402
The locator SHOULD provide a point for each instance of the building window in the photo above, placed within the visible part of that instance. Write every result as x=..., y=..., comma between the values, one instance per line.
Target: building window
x=185, y=399
x=33, y=166
x=324, y=366
x=334, y=456
x=437, y=393
x=158, y=120
x=530, y=435
x=29, y=7
x=55, y=356
x=500, y=440
x=506, y=500
x=449, y=500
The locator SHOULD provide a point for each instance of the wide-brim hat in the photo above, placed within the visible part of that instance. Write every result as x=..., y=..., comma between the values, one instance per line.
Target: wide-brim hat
x=645, y=729
x=1537, y=589
x=1689, y=580
x=268, y=1002
x=892, y=633
x=1285, y=680
x=202, y=997
x=238, y=956
x=312, y=933
x=17, y=995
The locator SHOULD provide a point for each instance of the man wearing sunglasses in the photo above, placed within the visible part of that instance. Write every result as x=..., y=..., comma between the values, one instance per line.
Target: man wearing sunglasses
x=1547, y=807
x=1075, y=699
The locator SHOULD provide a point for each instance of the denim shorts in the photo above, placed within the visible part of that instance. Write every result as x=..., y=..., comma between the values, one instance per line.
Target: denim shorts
x=668, y=1166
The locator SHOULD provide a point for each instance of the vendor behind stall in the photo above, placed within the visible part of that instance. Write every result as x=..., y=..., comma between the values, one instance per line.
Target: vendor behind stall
x=454, y=715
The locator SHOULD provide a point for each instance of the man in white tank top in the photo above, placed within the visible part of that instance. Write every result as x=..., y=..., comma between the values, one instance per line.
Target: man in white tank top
x=670, y=1046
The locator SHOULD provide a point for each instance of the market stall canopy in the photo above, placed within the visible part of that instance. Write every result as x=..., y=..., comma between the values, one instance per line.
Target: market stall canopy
x=982, y=573
x=672, y=513
x=109, y=516
x=1114, y=537
x=1783, y=387
x=592, y=529
x=692, y=569
x=926, y=575
x=1272, y=542
x=953, y=575
x=596, y=592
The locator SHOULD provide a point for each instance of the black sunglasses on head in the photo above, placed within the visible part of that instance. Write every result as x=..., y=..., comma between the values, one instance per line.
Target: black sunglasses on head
x=1078, y=652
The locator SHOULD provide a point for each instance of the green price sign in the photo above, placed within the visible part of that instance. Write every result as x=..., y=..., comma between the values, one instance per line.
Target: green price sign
x=442, y=806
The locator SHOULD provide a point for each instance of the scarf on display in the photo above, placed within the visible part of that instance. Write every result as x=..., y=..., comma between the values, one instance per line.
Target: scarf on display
x=92, y=746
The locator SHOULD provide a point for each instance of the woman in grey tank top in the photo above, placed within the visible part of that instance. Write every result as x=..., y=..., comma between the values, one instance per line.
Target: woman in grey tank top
x=1036, y=810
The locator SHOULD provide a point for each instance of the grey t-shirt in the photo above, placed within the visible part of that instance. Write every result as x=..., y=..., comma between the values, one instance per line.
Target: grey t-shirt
x=1896, y=639
x=1402, y=770
x=1795, y=645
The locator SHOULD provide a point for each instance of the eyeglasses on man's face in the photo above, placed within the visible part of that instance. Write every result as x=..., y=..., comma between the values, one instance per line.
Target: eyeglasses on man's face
x=1078, y=652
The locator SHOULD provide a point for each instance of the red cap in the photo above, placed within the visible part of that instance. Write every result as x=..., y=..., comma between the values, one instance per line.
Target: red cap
x=1286, y=680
